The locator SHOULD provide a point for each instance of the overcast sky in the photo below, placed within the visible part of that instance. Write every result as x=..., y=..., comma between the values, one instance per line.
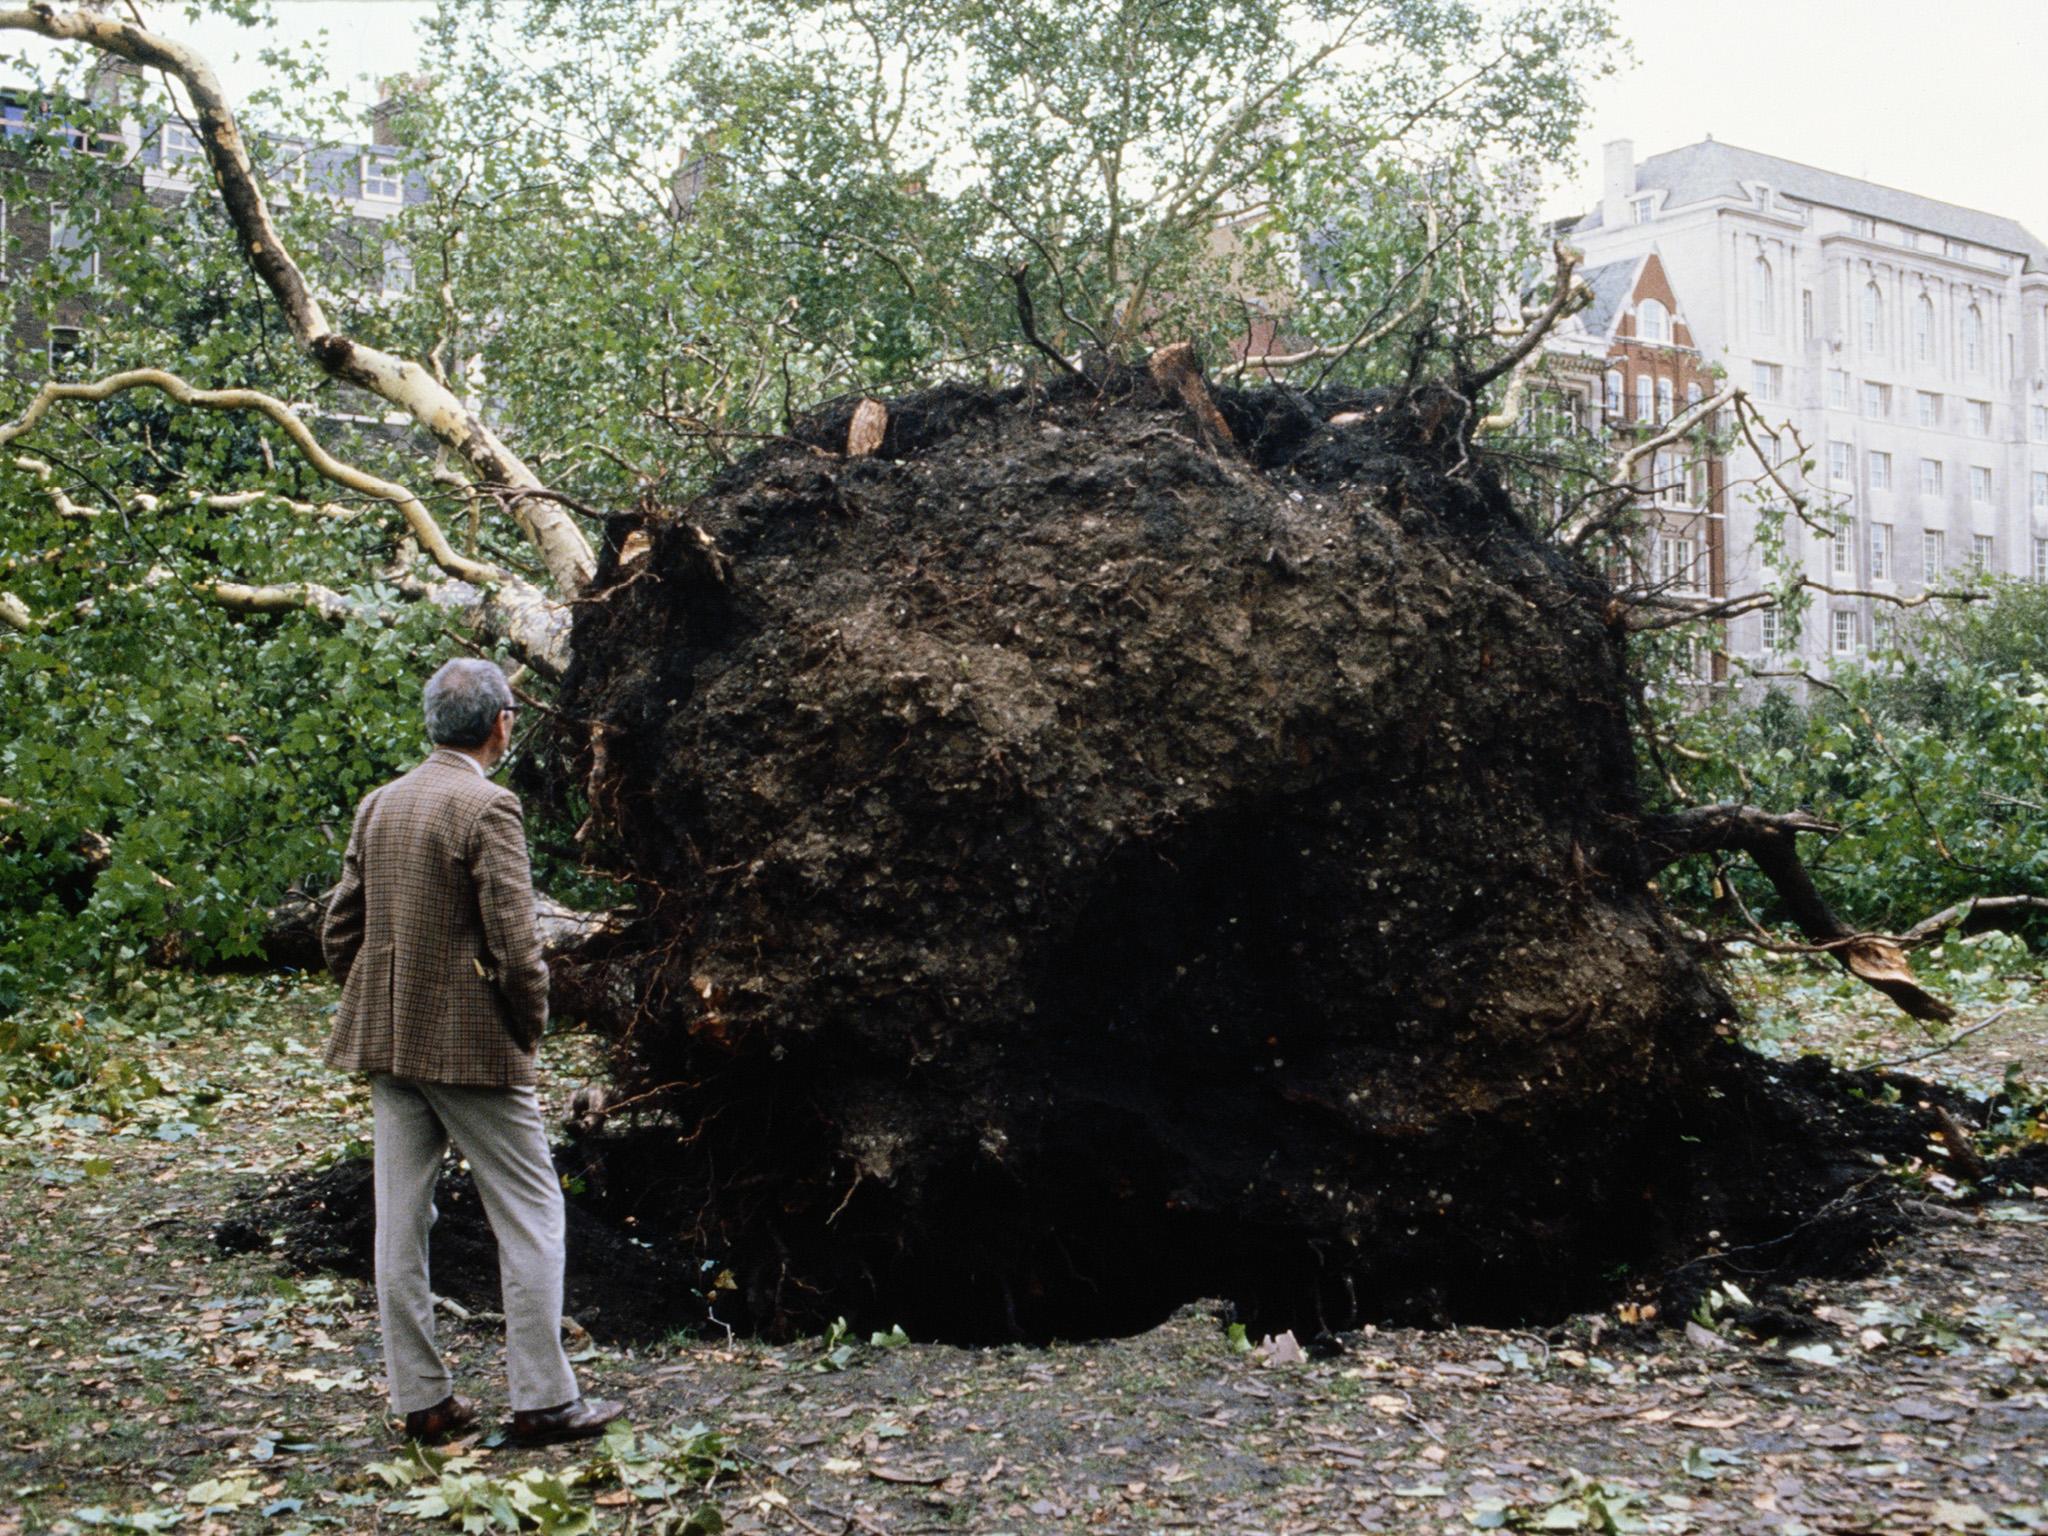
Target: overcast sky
x=1949, y=100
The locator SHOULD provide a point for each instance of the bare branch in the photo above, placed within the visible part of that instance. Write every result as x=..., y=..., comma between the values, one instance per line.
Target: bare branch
x=284, y=597
x=1771, y=840
x=1930, y=928
x=1020, y=277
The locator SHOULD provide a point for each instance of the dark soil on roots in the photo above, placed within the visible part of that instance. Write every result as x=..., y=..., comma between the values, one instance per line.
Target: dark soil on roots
x=1091, y=864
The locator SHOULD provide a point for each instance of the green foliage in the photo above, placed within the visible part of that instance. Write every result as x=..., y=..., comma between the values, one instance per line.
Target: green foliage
x=1932, y=758
x=857, y=183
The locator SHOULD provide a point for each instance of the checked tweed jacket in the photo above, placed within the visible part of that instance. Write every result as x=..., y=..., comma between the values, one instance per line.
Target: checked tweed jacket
x=434, y=884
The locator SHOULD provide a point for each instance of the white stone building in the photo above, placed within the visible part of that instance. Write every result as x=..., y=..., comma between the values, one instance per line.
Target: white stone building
x=1904, y=340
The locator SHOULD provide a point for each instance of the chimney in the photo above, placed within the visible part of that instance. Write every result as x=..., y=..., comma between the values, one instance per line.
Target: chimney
x=1618, y=184
x=395, y=93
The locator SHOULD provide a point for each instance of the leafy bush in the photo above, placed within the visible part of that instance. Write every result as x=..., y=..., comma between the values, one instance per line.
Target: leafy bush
x=1932, y=758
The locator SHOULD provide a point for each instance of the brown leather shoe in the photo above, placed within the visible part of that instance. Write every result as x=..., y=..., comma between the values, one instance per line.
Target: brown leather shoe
x=583, y=1419
x=451, y=1416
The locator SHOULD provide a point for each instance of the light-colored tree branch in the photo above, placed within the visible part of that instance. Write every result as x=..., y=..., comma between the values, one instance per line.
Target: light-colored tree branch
x=407, y=385
x=1568, y=298
x=533, y=624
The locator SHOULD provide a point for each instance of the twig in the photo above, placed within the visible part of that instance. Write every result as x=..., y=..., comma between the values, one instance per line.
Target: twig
x=1025, y=318
x=1949, y=1044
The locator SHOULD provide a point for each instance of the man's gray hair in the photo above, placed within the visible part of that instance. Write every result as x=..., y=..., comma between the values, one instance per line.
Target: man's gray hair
x=463, y=700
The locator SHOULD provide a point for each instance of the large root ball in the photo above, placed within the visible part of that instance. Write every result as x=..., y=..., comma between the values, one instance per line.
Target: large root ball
x=1095, y=860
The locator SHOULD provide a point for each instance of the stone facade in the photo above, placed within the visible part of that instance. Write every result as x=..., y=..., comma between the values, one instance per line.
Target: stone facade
x=1902, y=340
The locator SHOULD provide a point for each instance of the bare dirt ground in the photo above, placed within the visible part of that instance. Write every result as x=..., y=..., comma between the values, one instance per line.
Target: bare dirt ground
x=149, y=1381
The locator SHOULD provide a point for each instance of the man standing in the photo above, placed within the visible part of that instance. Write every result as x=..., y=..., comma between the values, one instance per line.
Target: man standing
x=444, y=996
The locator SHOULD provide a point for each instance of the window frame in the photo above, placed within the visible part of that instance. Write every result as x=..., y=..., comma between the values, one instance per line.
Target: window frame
x=396, y=179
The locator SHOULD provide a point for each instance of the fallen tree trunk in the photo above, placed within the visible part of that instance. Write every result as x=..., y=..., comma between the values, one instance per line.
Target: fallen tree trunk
x=1095, y=859
x=291, y=937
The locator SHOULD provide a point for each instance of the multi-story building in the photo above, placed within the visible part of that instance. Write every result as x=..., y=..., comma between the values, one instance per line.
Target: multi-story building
x=1622, y=369
x=160, y=158
x=1898, y=344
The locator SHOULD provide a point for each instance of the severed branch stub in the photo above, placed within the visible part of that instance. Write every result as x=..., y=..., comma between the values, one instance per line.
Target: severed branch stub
x=1178, y=368
x=1771, y=840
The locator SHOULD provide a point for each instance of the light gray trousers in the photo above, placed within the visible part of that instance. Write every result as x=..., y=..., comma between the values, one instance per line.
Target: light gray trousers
x=499, y=1131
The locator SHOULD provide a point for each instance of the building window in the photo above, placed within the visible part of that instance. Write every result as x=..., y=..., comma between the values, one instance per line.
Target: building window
x=2039, y=490
x=72, y=252
x=180, y=143
x=1930, y=477
x=1692, y=390
x=1838, y=463
x=398, y=270
x=70, y=357
x=383, y=181
x=1880, y=471
x=2037, y=416
x=1653, y=321
x=1845, y=631
x=1877, y=400
x=1861, y=227
x=1766, y=380
x=1973, y=339
x=1982, y=555
x=1873, y=318
x=1773, y=631
x=1933, y=555
x=1677, y=558
x=1663, y=400
x=1923, y=329
x=1806, y=314
x=2041, y=559
x=1838, y=546
x=1763, y=296
x=1642, y=210
x=1880, y=552
x=1930, y=409
x=1980, y=484
x=1611, y=396
x=1980, y=418
x=1838, y=388
x=1667, y=482
x=1646, y=397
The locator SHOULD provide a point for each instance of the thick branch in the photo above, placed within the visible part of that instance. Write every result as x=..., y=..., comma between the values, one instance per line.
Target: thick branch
x=1987, y=908
x=283, y=597
x=407, y=385
x=514, y=607
x=1772, y=841
x=1020, y=278
x=1571, y=297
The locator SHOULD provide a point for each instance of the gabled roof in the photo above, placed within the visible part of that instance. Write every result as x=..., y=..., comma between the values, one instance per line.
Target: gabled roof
x=1613, y=284
x=1712, y=169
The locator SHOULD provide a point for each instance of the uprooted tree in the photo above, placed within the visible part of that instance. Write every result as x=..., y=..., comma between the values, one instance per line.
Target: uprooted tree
x=1105, y=828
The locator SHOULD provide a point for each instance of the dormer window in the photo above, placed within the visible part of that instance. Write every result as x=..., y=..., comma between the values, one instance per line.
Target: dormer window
x=1653, y=321
x=1861, y=227
x=383, y=182
x=1643, y=210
